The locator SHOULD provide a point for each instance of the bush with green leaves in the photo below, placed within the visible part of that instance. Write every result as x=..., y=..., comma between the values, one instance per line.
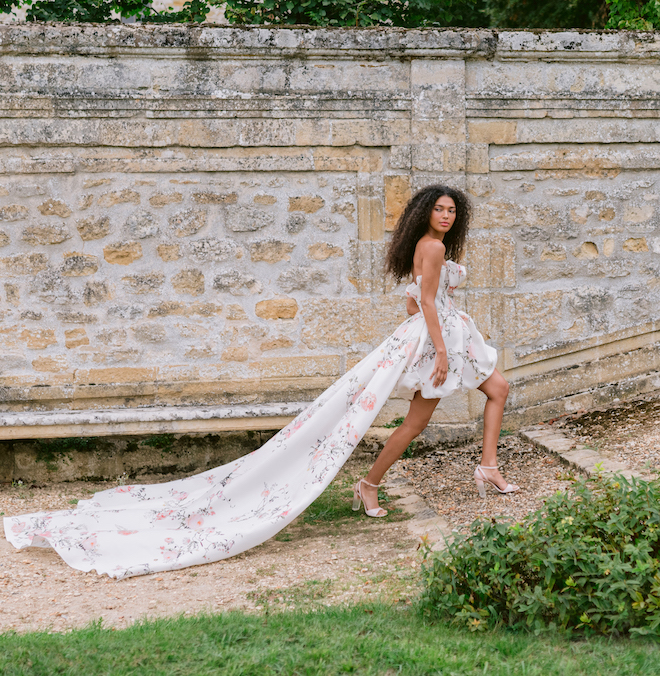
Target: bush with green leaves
x=547, y=14
x=587, y=562
x=407, y=13
x=100, y=11
x=634, y=14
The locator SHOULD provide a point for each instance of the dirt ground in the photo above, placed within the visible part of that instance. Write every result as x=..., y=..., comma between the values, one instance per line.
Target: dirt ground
x=627, y=431
x=327, y=562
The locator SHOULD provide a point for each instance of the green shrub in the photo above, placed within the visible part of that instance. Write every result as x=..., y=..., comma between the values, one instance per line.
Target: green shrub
x=634, y=14
x=587, y=562
x=407, y=13
x=546, y=13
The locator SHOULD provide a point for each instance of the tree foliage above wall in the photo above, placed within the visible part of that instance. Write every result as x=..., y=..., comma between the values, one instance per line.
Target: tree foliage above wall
x=618, y=14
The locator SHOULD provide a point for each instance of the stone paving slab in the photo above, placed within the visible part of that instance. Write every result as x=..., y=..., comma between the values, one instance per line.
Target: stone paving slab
x=576, y=455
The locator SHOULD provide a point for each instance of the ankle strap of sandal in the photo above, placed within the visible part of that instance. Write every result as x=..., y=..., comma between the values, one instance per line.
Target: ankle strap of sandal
x=364, y=481
x=486, y=467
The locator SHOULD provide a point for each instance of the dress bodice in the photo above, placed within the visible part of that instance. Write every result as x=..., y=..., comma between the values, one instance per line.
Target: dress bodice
x=451, y=276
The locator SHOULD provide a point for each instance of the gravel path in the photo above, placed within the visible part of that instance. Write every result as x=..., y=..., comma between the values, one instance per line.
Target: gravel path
x=628, y=432
x=307, y=565
x=445, y=479
x=304, y=565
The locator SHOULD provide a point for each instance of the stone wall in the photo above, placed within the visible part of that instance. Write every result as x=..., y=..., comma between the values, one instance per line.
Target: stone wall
x=195, y=217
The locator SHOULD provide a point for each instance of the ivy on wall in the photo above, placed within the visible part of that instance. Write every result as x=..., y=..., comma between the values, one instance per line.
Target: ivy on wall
x=616, y=14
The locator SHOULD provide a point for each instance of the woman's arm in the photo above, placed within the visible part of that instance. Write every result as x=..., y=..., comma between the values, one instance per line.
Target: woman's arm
x=433, y=258
x=411, y=306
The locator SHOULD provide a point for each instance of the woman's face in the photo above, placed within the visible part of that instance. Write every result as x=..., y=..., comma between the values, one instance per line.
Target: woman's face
x=442, y=217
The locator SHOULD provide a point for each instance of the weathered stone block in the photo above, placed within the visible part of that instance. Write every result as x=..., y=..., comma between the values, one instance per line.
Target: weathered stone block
x=308, y=204
x=149, y=282
x=38, y=339
x=236, y=283
x=93, y=228
x=279, y=343
x=398, y=191
x=235, y=312
x=636, y=245
x=50, y=364
x=492, y=260
x=142, y=224
x=500, y=132
x=4, y=239
x=73, y=317
x=209, y=250
x=13, y=294
x=265, y=200
x=505, y=214
x=168, y=308
x=75, y=338
x=638, y=214
x=188, y=222
x=608, y=247
x=23, y=264
x=150, y=333
x=321, y=251
x=45, y=233
x=114, y=337
x=295, y=224
x=54, y=208
x=271, y=251
x=302, y=278
x=126, y=196
x=168, y=252
x=248, y=219
x=586, y=251
x=96, y=292
x=79, y=264
x=189, y=282
x=554, y=252
x=122, y=253
x=163, y=199
x=239, y=353
x=529, y=316
x=278, y=308
x=215, y=198
x=13, y=212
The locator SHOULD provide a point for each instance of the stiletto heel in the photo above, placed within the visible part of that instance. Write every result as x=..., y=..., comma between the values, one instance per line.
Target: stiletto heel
x=481, y=479
x=358, y=499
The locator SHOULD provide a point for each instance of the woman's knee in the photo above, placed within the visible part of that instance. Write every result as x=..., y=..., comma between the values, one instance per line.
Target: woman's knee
x=415, y=426
x=502, y=390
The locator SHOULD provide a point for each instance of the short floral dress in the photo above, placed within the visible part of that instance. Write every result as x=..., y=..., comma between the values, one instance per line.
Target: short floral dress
x=138, y=529
x=470, y=360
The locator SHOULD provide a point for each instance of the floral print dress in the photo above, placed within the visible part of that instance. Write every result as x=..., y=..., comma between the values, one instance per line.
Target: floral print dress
x=139, y=529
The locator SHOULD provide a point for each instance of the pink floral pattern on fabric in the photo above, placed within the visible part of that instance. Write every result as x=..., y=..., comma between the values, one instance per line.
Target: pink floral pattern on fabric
x=133, y=530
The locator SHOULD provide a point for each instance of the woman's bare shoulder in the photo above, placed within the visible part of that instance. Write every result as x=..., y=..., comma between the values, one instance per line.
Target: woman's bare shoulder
x=431, y=247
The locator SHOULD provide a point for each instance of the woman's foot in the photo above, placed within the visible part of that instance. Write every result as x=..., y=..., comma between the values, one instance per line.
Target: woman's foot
x=491, y=474
x=367, y=493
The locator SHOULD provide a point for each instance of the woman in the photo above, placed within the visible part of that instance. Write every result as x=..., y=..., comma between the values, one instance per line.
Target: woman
x=429, y=237
x=138, y=529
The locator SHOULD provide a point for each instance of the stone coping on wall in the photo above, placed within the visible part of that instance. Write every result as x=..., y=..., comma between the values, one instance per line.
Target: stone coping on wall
x=151, y=420
x=209, y=40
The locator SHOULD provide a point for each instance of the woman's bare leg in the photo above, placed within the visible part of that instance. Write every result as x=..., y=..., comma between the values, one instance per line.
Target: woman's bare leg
x=418, y=417
x=496, y=389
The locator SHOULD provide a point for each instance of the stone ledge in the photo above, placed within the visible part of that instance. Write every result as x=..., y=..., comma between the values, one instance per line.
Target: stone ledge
x=156, y=420
x=213, y=41
x=575, y=455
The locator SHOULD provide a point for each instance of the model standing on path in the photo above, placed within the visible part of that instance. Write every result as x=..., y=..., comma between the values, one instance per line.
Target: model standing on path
x=430, y=235
x=138, y=529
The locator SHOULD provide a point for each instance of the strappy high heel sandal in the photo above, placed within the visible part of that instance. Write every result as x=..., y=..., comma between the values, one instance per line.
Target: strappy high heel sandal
x=358, y=499
x=481, y=479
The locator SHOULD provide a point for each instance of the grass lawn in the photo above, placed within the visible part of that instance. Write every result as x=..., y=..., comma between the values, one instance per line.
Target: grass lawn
x=364, y=639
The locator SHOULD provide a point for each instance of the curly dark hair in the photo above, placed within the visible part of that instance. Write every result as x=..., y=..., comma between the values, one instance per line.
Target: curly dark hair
x=414, y=224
